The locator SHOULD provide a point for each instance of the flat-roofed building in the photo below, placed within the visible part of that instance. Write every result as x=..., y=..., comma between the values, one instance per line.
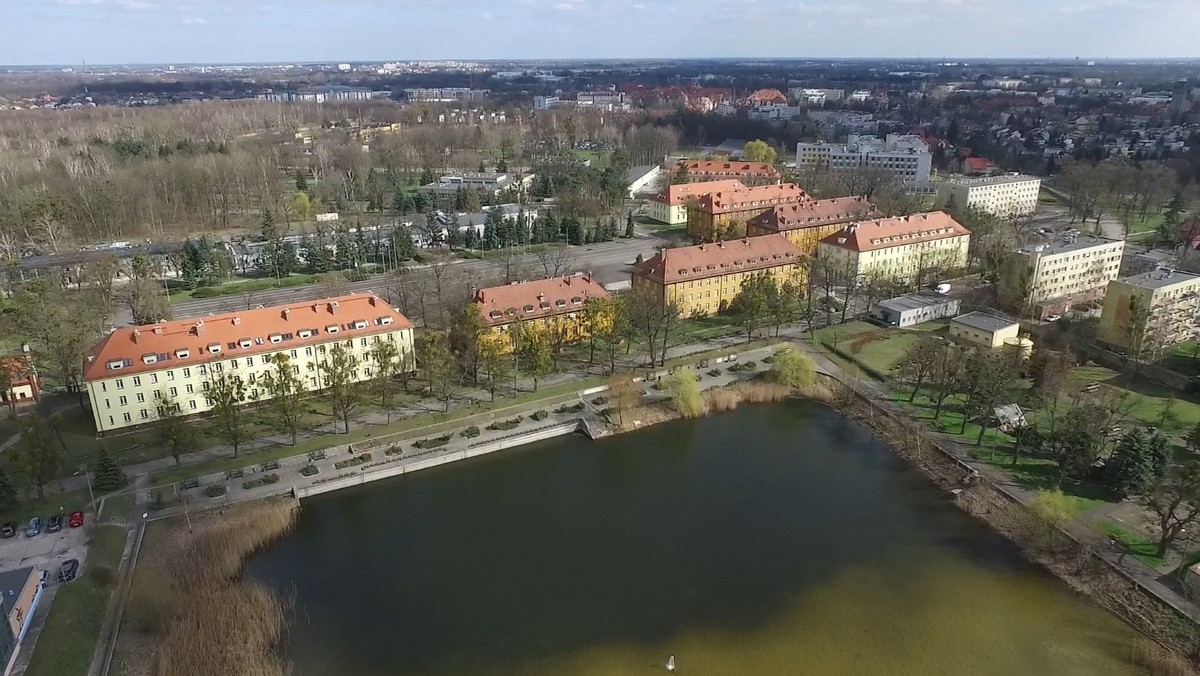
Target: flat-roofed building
x=132, y=371
x=705, y=278
x=905, y=157
x=983, y=329
x=903, y=249
x=1041, y=280
x=806, y=223
x=20, y=594
x=670, y=205
x=723, y=214
x=1149, y=312
x=914, y=308
x=554, y=305
x=1012, y=195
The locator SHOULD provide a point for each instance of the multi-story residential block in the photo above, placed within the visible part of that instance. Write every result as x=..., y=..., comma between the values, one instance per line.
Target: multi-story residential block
x=1012, y=195
x=723, y=214
x=749, y=173
x=671, y=203
x=704, y=279
x=905, y=157
x=554, y=305
x=445, y=94
x=805, y=224
x=903, y=248
x=545, y=102
x=132, y=371
x=1149, y=312
x=1041, y=280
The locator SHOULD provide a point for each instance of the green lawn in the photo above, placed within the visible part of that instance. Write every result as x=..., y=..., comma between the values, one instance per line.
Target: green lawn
x=1135, y=543
x=241, y=285
x=1146, y=399
x=119, y=505
x=1183, y=358
x=876, y=348
x=69, y=637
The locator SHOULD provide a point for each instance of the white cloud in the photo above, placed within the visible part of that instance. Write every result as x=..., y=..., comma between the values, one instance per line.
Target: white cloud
x=195, y=21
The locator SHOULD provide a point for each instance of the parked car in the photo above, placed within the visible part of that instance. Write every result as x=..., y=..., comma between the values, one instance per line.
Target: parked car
x=943, y=288
x=8, y=530
x=76, y=519
x=69, y=569
x=54, y=523
x=1053, y=318
x=34, y=527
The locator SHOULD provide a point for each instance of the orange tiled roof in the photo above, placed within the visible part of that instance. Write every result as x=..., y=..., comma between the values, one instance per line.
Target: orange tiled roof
x=759, y=197
x=187, y=342
x=535, y=299
x=767, y=96
x=884, y=233
x=680, y=193
x=719, y=258
x=813, y=214
x=15, y=370
x=730, y=169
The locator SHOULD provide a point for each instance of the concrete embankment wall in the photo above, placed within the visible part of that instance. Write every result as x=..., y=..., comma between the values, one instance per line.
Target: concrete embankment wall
x=402, y=466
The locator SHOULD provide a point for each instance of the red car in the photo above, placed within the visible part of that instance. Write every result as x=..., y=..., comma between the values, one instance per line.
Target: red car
x=76, y=519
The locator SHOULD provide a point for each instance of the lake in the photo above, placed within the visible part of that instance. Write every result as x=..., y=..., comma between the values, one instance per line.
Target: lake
x=775, y=539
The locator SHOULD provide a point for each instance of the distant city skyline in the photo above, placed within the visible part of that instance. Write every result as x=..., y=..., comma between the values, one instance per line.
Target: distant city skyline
x=226, y=31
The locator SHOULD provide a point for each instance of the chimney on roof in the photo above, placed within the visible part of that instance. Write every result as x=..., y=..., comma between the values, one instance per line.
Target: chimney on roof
x=333, y=307
x=286, y=313
x=158, y=329
x=137, y=333
x=237, y=321
x=373, y=300
x=199, y=327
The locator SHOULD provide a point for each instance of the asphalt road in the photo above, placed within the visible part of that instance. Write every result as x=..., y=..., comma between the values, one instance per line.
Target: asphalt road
x=608, y=262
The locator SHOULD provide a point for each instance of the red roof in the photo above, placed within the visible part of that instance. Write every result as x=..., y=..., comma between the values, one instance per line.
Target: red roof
x=767, y=96
x=15, y=370
x=759, y=197
x=187, y=342
x=979, y=163
x=884, y=233
x=539, y=298
x=814, y=214
x=727, y=170
x=719, y=258
x=680, y=193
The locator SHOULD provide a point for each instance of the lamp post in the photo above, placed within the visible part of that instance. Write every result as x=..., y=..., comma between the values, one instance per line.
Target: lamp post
x=88, y=478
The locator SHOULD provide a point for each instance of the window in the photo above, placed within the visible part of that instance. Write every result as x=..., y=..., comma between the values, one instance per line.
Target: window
x=187, y=373
x=106, y=404
x=170, y=375
x=175, y=391
x=308, y=351
x=128, y=418
x=362, y=342
x=110, y=420
x=233, y=364
x=294, y=355
x=153, y=378
x=192, y=404
x=137, y=381
x=249, y=362
x=145, y=414
x=103, y=387
x=120, y=383
x=141, y=398
x=122, y=401
x=252, y=376
x=296, y=369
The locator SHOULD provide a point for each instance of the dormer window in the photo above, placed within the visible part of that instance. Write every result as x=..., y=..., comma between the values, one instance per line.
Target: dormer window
x=214, y=348
x=278, y=337
x=182, y=354
x=385, y=321
x=304, y=333
x=245, y=343
x=149, y=358
x=116, y=364
x=528, y=308
x=494, y=314
x=332, y=328
x=560, y=303
x=359, y=324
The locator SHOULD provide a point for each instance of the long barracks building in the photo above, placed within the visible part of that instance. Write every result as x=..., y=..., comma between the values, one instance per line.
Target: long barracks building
x=131, y=371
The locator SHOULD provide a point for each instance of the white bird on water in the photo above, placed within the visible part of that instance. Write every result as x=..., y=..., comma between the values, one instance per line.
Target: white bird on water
x=671, y=663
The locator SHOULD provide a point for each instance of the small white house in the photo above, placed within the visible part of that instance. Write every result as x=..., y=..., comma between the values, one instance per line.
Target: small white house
x=643, y=179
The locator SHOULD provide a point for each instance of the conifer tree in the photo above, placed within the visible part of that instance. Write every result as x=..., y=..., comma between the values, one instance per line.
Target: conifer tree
x=109, y=476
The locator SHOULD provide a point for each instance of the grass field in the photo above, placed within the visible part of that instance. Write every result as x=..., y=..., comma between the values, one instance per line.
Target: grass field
x=1183, y=358
x=876, y=348
x=1135, y=543
x=69, y=637
x=1147, y=400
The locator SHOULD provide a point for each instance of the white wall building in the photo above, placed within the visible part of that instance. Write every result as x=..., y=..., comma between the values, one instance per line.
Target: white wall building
x=903, y=156
x=1012, y=195
x=133, y=370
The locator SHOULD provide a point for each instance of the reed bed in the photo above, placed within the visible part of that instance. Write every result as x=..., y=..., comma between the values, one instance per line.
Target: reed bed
x=189, y=602
x=1159, y=661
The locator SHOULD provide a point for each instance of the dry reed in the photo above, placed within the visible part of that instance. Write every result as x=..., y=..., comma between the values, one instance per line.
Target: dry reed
x=1159, y=661
x=205, y=619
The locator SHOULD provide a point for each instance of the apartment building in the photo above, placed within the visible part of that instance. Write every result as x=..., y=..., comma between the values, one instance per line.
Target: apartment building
x=670, y=205
x=749, y=173
x=903, y=248
x=723, y=214
x=805, y=224
x=1149, y=312
x=1041, y=280
x=1012, y=195
x=903, y=156
x=547, y=304
x=132, y=370
x=705, y=278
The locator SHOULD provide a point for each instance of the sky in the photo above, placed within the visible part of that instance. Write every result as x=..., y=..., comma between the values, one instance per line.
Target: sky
x=225, y=31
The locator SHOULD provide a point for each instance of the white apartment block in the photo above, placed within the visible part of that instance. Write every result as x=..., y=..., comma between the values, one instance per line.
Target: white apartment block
x=1012, y=195
x=901, y=248
x=1047, y=279
x=904, y=156
x=130, y=372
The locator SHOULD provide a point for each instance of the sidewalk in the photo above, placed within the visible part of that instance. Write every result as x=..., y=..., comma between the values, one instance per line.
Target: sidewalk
x=1142, y=574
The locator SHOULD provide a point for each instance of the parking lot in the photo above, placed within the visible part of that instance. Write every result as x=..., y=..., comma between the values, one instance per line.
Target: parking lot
x=47, y=551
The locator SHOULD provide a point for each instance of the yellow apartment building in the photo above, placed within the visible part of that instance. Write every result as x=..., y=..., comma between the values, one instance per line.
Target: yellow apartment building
x=902, y=248
x=1165, y=302
x=671, y=204
x=133, y=369
x=805, y=224
x=723, y=214
x=548, y=304
x=749, y=173
x=704, y=279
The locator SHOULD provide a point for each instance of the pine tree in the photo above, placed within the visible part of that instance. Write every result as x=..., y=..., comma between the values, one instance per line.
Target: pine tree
x=109, y=476
x=495, y=229
x=629, y=224
x=8, y=495
x=301, y=181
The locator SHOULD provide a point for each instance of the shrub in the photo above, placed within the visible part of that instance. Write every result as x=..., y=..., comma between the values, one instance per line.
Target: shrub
x=570, y=408
x=540, y=415
x=714, y=372
x=354, y=275
x=685, y=393
x=264, y=480
x=600, y=401
x=505, y=425
x=353, y=462
x=471, y=432
x=156, y=500
x=214, y=490
x=793, y=368
x=435, y=442
x=309, y=470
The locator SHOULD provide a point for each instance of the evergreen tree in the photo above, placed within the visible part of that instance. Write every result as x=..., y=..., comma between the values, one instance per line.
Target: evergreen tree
x=574, y=230
x=402, y=203
x=420, y=203
x=316, y=256
x=109, y=476
x=427, y=176
x=460, y=199
x=1138, y=463
x=345, y=254
x=301, y=181
x=495, y=229
x=629, y=224
x=482, y=168
x=402, y=244
x=8, y=495
x=502, y=166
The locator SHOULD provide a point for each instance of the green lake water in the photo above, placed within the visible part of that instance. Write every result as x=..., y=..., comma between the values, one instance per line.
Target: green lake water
x=775, y=539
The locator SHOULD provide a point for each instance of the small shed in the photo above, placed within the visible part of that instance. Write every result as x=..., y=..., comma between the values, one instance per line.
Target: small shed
x=913, y=308
x=980, y=328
